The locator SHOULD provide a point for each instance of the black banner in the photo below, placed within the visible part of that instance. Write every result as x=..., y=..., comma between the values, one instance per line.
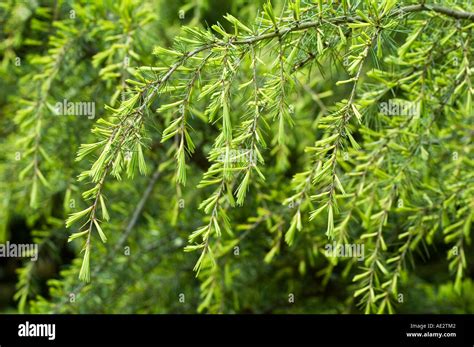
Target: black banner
x=449, y=330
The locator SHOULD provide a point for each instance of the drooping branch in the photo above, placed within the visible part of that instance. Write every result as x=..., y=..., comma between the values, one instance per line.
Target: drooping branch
x=137, y=212
x=351, y=19
x=439, y=9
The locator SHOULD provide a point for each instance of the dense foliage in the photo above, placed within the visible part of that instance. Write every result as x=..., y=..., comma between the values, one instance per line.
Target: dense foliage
x=221, y=156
